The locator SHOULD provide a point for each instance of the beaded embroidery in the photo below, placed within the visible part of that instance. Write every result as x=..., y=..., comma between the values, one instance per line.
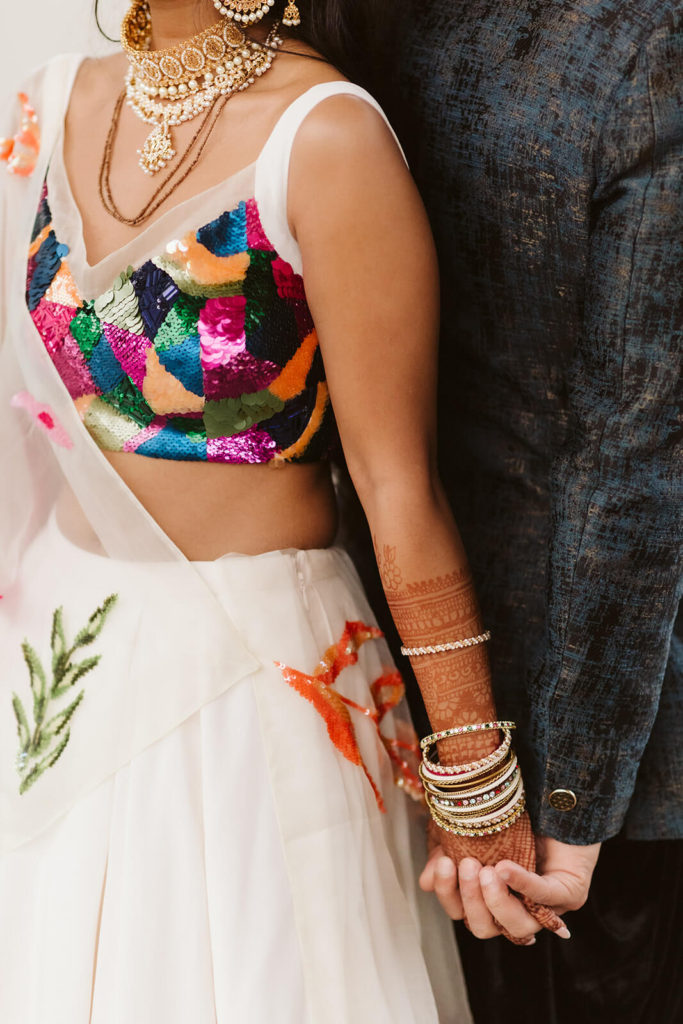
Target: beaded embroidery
x=387, y=693
x=20, y=152
x=207, y=352
x=42, y=744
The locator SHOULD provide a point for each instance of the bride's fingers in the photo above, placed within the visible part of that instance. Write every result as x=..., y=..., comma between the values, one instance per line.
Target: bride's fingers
x=480, y=920
x=546, y=918
x=446, y=887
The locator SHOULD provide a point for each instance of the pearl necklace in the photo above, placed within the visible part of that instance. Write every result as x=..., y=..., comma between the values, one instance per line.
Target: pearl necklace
x=162, y=87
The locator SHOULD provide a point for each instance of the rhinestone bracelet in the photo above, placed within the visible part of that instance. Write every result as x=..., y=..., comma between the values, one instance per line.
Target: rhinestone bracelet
x=499, y=803
x=463, y=772
x=478, y=833
x=452, y=645
x=461, y=730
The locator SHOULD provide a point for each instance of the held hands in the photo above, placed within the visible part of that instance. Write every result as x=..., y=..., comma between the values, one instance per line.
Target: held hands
x=510, y=898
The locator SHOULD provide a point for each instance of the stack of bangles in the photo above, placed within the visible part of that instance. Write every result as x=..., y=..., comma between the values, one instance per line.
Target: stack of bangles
x=475, y=799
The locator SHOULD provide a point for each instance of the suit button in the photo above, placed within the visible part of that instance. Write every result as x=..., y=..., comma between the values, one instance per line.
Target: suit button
x=562, y=800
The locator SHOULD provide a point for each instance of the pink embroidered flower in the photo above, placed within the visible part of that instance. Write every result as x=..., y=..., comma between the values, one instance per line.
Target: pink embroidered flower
x=221, y=329
x=44, y=416
x=21, y=152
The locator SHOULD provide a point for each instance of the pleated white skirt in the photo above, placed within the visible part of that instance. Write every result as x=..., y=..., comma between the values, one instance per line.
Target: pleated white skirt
x=240, y=868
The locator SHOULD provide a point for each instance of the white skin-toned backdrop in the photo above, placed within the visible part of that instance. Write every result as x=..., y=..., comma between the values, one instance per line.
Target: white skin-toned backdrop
x=35, y=30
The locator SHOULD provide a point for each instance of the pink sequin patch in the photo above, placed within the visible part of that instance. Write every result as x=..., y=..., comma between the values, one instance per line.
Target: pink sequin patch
x=289, y=285
x=242, y=375
x=130, y=350
x=229, y=370
x=146, y=434
x=221, y=329
x=256, y=236
x=73, y=369
x=53, y=321
x=251, y=445
x=44, y=416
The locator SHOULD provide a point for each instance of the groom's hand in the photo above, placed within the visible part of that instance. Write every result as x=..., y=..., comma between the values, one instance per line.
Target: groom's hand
x=562, y=878
x=492, y=896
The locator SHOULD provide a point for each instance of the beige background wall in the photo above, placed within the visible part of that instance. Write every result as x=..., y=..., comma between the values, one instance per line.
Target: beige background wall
x=31, y=31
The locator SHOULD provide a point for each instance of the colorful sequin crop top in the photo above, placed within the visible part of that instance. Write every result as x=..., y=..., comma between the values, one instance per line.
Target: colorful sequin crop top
x=206, y=350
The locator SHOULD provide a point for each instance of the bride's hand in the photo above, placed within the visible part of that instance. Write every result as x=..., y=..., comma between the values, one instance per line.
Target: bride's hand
x=460, y=893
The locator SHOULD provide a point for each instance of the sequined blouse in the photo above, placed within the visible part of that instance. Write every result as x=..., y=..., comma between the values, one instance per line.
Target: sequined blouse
x=205, y=348
x=207, y=351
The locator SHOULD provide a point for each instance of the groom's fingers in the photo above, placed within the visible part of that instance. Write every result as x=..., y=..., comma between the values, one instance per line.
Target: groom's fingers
x=556, y=889
x=514, y=920
x=536, y=887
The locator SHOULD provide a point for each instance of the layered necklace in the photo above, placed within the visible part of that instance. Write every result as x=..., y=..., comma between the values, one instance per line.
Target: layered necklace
x=166, y=88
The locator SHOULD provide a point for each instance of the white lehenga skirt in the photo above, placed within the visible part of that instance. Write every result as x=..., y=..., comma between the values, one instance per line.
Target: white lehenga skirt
x=240, y=868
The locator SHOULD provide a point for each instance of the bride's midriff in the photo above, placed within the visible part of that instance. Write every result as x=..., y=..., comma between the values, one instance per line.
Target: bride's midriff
x=210, y=509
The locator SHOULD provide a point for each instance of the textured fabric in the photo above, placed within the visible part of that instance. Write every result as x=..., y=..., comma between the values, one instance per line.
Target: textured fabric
x=623, y=962
x=548, y=144
x=207, y=352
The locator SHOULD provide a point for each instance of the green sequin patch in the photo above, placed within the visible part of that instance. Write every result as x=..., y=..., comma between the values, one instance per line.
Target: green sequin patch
x=228, y=416
x=180, y=323
x=86, y=328
x=126, y=399
x=42, y=742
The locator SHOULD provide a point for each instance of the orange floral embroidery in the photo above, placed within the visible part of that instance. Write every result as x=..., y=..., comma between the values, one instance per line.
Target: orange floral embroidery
x=404, y=750
x=387, y=692
x=21, y=152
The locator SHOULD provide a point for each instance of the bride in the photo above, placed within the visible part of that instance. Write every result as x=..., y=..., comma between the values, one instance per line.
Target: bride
x=216, y=276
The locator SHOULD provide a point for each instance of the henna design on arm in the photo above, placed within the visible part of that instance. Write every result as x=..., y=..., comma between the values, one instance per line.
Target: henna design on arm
x=455, y=685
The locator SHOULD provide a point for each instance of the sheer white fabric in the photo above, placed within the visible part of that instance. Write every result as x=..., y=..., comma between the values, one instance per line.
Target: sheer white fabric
x=200, y=850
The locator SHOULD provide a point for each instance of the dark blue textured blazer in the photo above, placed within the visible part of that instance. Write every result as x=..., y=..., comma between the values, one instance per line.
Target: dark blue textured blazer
x=548, y=146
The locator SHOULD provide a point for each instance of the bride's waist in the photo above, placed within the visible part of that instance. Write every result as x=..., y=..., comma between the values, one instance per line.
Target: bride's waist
x=209, y=510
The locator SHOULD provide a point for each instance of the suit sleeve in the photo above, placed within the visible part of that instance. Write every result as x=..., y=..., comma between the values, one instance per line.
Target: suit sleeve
x=616, y=558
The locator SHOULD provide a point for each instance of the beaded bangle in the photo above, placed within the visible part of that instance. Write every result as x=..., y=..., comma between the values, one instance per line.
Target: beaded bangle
x=475, y=796
x=464, y=771
x=452, y=645
x=461, y=730
x=482, y=813
x=481, y=832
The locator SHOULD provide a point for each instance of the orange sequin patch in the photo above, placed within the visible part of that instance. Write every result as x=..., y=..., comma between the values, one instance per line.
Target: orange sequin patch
x=387, y=692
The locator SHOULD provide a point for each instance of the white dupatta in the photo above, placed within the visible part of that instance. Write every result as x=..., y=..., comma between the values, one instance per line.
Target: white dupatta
x=171, y=646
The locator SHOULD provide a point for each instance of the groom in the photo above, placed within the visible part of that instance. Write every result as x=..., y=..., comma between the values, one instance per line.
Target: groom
x=548, y=145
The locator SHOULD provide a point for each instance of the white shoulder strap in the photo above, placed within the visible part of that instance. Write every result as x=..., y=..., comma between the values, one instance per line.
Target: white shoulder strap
x=272, y=167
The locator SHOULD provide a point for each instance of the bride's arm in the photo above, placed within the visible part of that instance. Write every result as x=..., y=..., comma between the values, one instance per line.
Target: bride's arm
x=371, y=282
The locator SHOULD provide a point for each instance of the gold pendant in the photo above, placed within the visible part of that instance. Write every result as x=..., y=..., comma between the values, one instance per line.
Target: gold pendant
x=158, y=150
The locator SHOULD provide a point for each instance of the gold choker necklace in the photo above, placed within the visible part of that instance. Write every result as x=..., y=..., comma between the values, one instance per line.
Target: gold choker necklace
x=166, y=88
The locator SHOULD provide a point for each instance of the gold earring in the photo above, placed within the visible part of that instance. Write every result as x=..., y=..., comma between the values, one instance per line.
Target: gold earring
x=244, y=11
x=291, y=18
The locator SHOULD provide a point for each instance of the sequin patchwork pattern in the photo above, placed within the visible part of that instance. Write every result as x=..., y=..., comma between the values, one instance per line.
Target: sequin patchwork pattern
x=207, y=352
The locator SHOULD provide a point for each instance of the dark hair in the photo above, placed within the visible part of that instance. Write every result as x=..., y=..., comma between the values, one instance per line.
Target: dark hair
x=356, y=36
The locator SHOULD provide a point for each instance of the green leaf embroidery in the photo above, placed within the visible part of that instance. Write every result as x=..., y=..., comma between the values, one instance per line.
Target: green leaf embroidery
x=58, y=642
x=41, y=745
x=23, y=728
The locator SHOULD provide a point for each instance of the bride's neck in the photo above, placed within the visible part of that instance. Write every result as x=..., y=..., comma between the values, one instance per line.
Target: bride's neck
x=176, y=20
